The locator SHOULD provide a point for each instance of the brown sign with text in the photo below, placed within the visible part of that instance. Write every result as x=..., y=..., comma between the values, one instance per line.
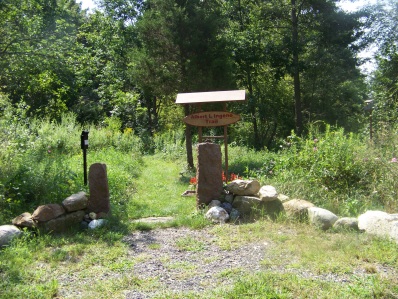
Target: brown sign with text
x=211, y=119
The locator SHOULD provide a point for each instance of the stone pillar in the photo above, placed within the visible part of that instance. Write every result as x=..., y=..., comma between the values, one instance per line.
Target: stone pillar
x=99, y=190
x=209, y=173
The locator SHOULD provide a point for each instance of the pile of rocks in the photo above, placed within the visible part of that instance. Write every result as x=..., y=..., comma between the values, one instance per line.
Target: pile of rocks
x=246, y=198
x=72, y=212
x=77, y=209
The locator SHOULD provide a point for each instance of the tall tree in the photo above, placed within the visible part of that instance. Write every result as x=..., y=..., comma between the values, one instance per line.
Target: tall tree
x=294, y=41
x=182, y=50
x=36, y=43
x=385, y=80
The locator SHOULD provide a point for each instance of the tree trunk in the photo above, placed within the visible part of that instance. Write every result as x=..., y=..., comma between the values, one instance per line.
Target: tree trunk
x=296, y=70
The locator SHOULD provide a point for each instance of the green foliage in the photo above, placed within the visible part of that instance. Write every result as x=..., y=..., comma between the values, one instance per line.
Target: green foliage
x=42, y=162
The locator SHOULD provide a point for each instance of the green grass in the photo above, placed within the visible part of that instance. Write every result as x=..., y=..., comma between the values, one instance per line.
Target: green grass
x=158, y=189
x=99, y=264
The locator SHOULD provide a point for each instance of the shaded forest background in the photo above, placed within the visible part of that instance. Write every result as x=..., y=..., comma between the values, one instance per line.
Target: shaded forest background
x=296, y=59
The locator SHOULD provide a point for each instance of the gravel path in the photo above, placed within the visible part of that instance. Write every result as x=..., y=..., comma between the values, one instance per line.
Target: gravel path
x=189, y=260
x=184, y=260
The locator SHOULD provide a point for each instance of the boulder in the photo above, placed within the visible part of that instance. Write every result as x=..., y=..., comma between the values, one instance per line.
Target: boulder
x=75, y=202
x=247, y=204
x=267, y=193
x=243, y=187
x=380, y=224
x=47, y=212
x=217, y=215
x=99, y=200
x=297, y=208
x=24, y=220
x=64, y=222
x=7, y=233
x=253, y=206
x=346, y=223
x=209, y=173
x=273, y=208
x=321, y=218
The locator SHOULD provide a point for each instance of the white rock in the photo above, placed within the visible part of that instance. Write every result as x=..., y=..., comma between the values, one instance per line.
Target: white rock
x=380, y=224
x=97, y=223
x=217, y=215
x=321, y=218
x=7, y=233
x=268, y=193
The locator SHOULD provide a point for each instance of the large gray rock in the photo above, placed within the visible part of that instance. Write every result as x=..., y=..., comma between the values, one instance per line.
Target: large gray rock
x=24, y=220
x=379, y=223
x=246, y=204
x=99, y=189
x=209, y=173
x=7, y=233
x=268, y=193
x=47, y=212
x=64, y=222
x=297, y=208
x=75, y=202
x=244, y=187
x=217, y=215
x=321, y=218
x=253, y=206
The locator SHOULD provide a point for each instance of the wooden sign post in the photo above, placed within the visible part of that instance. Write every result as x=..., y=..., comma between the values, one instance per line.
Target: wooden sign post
x=212, y=118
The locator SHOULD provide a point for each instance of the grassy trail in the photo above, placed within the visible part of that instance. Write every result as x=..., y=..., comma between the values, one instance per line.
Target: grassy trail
x=158, y=190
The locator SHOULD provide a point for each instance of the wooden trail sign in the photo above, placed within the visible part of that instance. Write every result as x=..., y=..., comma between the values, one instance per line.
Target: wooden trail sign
x=211, y=119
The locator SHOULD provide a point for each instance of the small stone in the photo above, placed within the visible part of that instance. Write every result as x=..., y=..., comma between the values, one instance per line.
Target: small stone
x=24, y=220
x=75, y=202
x=267, y=193
x=217, y=215
x=243, y=187
x=92, y=216
x=97, y=223
x=227, y=206
x=321, y=218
